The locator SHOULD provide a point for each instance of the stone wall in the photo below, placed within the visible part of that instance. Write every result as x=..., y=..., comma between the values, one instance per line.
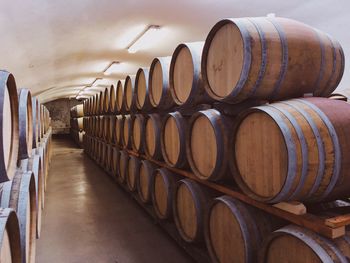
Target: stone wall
x=60, y=114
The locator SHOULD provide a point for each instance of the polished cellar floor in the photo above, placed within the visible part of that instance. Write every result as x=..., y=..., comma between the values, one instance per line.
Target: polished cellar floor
x=87, y=218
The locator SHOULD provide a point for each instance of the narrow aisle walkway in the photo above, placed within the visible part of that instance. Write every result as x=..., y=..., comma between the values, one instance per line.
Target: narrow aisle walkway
x=87, y=218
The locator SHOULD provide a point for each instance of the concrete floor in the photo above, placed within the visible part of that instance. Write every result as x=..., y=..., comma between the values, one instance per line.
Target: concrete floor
x=87, y=218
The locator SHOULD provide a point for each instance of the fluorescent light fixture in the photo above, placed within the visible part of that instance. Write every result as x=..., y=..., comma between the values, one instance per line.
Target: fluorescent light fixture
x=144, y=39
x=112, y=68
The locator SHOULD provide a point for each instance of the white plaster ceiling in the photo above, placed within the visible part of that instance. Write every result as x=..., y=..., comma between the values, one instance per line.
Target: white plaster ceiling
x=55, y=48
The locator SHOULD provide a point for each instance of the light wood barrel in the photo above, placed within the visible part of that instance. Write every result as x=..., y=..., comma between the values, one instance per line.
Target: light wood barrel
x=152, y=145
x=44, y=162
x=95, y=104
x=19, y=194
x=106, y=122
x=173, y=140
x=123, y=166
x=33, y=164
x=343, y=94
x=101, y=101
x=10, y=244
x=133, y=171
x=9, y=124
x=141, y=93
x=112, y=98
x=190, y=204
x=297, y=149
x=234, y=231
x=207, y=144
x=25, y=120
x=106, y=101
x=35, y=121
x=115, y=162
x=287, y=59
x=159, y=91
x=138, y=127
x=295, y=244
x=145, y=182
x=185, y=77
x=129, y=89
x=118, y=131
x=111, y=126
x=119, y=102
x=100, y=127
x=163, y=190
x=127, y=131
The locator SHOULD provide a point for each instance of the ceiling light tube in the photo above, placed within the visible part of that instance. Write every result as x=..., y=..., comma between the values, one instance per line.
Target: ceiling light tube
x=143, y=39
x=112, y=68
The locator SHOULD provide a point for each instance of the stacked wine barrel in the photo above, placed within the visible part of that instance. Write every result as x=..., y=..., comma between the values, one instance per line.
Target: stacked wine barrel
x=76, y=124
x=24, y=160
x=247, y=107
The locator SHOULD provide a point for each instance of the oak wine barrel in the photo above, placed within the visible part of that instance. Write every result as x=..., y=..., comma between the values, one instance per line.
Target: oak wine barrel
x=123, y=166
x=106, y=122
x=152, y=136
x=145, y=182
x=293, y=150
x=35, y=121
x=112, y=98
x=269, y=58
x=19, y=194
x=141, y=93
x=234, y=231
x=111, y=126
x=158, y=86
x=127, y=131
x=296, y=244
x=190, y=206
x=133, y=171
x=119, y=102
x=118, y=131
x=33, y=164
x=77, y=111
x=106, y=101
x=137, y=127
x=115, y=162
x=9, y=124
x=163, y=190
x=25, y=124
x=173, y=140
x=101, y=102
x=185, y=77
x=208, y=143
x=129, y=89
x=10, y=242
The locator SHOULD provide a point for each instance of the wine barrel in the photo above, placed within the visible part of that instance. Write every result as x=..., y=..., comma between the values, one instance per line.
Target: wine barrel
x=234, y=231
x=267, y=58
x=9, y=124
x=159, y=92
x=163, y=189
x=109, y=158
x=133, y=171
x=141, y=93
x=127, y=131
x=33, y=164
x=25, y=124
x=207, y=144
x=106, y=101
x=190, y=206
x=296, y=150
x=129, y=88
x=152, y=145
x=106, y=122
x=119, y=102
x=95, y=106
x=343, y=94
x=185, y=77
x=101, y=102
x=115, y=162
x=145, y=182
x=77, y=111
x=35, y=121
x=112, y=98
x=173, y=140
x=137, y=127
x=100, y=127
x=118, y=131
x=44, y=162
x=111, y=126
x=296, y=244
x=10, y=244
x=19, y=194
x=123, y=166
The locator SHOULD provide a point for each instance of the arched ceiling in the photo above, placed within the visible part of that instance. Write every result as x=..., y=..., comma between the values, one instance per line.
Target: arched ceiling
x=56, y=48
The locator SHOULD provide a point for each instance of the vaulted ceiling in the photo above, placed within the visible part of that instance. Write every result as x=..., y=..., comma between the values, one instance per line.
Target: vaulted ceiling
x=55, y=48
